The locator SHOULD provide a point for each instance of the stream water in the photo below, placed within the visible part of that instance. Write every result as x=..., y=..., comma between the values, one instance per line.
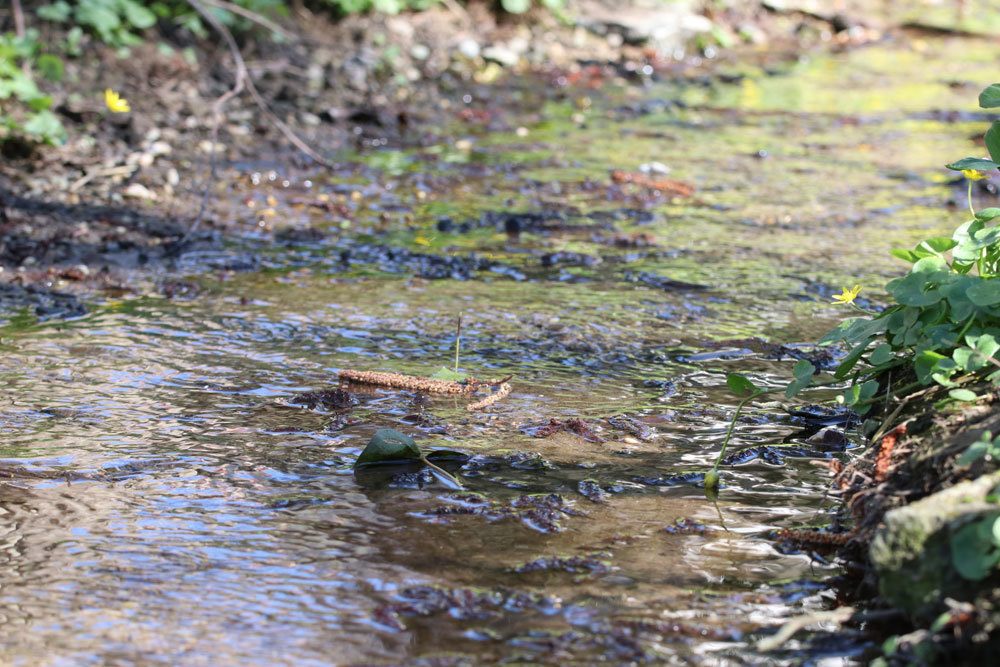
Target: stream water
x=166, y=501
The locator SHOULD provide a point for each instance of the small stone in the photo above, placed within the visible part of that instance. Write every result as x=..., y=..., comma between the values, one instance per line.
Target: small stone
x=469, y=48
x=139, y=191
x=502, y=55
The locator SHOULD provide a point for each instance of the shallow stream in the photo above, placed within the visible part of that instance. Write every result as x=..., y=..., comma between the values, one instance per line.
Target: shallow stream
x=165, y=499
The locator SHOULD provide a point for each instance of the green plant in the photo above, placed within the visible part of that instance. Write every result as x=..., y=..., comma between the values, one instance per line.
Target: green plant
x=747, y=391
x=388, y=447
x=114, y=21
x=345, y=7
x=975, y=547
x=24, y=109
x=944, y=323
x=521, y=6
x=987, y=447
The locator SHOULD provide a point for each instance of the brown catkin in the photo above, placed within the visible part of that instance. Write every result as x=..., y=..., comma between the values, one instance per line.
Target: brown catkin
x=410, y=382
x=502, y=392
x=815, y=537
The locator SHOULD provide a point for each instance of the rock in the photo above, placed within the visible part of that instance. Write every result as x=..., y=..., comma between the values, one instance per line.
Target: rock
x=912, y=552
x=139, y=191
x=500, y=54
x=666, y=26
x=469, y=48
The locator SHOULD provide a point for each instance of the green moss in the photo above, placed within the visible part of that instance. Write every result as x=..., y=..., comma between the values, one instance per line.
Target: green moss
x=912, y=552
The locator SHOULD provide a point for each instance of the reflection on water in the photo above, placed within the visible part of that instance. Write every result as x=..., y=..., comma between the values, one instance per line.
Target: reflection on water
x=163, y=501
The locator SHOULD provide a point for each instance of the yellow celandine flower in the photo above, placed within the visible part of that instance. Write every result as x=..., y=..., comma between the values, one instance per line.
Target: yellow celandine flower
x=116, y=103
x=973, y=174
x=848, y=296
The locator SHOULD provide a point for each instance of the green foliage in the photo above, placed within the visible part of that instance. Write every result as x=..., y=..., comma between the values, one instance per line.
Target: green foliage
x=345, y=7
x=522, y=6
x=389, y=446
x=944, y=321
x=987, y=447
x=24, y=109
x=116, y=22
x=975, y=547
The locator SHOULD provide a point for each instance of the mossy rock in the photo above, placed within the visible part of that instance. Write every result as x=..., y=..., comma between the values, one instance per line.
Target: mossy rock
x=912, y=552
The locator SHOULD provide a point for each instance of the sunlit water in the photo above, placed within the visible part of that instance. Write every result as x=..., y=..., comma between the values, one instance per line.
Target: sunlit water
x=164, y=501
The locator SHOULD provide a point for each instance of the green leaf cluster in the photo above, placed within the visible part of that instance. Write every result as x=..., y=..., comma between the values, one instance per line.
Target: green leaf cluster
x=975, y=547
x=116, y=22
x=522, y=6
x=25, y=110
x=944, y=319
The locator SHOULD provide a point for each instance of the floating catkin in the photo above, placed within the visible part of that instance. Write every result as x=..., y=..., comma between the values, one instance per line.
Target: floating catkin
x=410, y=382
x=498, y=395
x=431, y=386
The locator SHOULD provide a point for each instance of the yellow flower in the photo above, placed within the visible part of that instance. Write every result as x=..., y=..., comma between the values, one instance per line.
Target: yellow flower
x=116, y=103
x=848, y=296
x=973, y=174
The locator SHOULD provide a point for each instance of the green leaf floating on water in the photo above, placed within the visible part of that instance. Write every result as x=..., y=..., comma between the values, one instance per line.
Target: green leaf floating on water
x=448, y=375
x=389, y=446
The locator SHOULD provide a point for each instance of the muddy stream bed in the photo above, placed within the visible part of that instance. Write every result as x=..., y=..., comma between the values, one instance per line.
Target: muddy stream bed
x=169, y=497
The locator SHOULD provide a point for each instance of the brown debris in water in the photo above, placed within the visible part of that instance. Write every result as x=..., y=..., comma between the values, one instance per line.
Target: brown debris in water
x=574, y=425
x=540, y=512
x=330, y=399
x=687, y=526
x=591, y=564
x=667, y=185
x=477, y=604
x=815, y=537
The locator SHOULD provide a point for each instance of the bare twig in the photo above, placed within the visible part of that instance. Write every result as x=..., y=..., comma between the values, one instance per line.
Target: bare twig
x=242, y=81
x=18, y=12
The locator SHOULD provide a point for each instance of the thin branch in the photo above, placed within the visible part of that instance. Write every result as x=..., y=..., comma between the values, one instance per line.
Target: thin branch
x=242, y=81
x=249, y=15
x=19, y=30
